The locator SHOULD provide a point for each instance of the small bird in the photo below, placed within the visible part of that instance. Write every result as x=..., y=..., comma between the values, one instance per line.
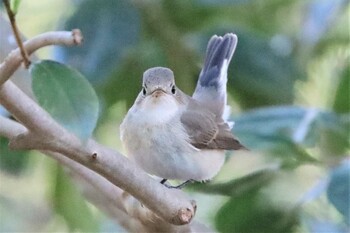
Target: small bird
x=175, y=136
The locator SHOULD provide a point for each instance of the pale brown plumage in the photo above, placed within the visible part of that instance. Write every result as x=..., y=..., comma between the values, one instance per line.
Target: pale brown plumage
x=205, y=129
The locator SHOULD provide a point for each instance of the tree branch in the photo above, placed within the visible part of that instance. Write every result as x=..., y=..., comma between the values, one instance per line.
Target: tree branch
x=118, y=204
x=10, y=128
x=14, y=59
x=45, y=134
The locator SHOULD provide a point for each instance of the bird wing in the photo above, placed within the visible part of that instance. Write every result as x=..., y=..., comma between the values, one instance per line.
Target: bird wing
x=200, y=127
x=206, y=131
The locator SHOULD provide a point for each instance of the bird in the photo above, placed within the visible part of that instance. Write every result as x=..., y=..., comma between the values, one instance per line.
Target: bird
x=175, y=136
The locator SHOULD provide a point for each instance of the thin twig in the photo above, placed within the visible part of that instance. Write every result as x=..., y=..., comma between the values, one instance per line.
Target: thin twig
x=14, y=59
x=16, y=33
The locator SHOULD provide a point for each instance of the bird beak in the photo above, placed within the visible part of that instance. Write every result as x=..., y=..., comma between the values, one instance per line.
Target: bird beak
x=158, y=92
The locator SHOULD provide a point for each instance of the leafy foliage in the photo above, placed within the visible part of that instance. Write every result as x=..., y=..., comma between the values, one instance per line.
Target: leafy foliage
x=342, y=97
x=256, y=75
x=15, y=5
x=251, y=212
x=13, y=162
x=287, y=128
x=104, y=46
x=70, y=204
x=338, y=191
x=240, y=186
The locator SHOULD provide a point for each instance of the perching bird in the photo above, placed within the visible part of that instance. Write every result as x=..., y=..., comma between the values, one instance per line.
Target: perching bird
x=174, y=136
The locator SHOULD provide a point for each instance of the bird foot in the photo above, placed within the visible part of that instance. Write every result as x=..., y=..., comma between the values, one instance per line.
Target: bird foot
x=180, y=186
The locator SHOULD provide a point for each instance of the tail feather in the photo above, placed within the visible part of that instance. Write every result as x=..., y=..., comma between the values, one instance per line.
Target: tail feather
x=213, y=44
x=211, y=86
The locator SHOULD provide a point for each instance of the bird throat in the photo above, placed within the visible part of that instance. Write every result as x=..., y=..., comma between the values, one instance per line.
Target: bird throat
x=159, y=109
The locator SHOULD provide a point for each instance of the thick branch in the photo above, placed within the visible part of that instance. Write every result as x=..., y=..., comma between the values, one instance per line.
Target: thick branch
x=110, y=199
x=45, y=134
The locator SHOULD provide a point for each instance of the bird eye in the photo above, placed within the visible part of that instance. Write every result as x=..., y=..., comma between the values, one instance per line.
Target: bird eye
x=173, y=90
x=143, y=91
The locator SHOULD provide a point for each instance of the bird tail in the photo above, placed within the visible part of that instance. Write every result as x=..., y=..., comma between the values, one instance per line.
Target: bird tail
x=211, y=85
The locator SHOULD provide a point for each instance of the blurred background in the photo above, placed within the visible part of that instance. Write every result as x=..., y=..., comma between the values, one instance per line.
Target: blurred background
x=289, y=85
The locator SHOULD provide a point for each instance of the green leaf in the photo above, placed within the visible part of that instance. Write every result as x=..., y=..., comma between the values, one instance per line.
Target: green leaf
x=338, y=191
x=239, y=186
x=12, y=161
x=333, y=133
x=257, y=69
x=15, y=5
x=288, y=130
x=252, y=212
x=112, y=32
x=66, y=95
x=69, y=203
x=342, y=96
